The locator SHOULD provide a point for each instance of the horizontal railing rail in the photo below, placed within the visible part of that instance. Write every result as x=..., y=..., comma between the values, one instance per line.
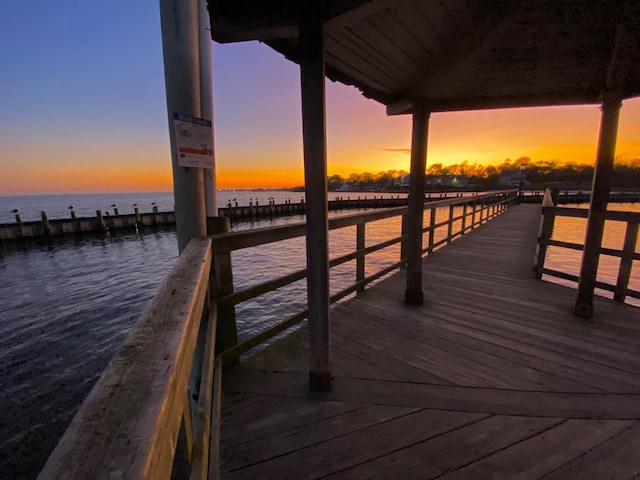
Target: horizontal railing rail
x=163, y=380
x=626, y=255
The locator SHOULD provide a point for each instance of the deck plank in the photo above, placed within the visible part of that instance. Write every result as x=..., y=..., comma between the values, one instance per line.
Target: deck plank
x=542, y=454
x=493, y=377
x=616, y=458
x=443, y=453
x=306, y=435
x=345, y=451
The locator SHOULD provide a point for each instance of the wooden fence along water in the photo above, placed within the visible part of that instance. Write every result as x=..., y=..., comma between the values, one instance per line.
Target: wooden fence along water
x=567, y=196
x=166, y=374
x=626, y=255
x=104, y=222
x=48, y=228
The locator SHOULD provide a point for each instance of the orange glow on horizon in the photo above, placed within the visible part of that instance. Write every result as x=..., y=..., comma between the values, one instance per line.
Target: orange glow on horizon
x=378, y=144
x=229, y=179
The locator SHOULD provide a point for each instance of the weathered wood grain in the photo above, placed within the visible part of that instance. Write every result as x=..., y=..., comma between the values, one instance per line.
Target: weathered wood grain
x=128, y=425
x=541, y=454
x=490, y=340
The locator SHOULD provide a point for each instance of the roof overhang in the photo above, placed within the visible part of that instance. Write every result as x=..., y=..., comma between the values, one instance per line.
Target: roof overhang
x=457, y=54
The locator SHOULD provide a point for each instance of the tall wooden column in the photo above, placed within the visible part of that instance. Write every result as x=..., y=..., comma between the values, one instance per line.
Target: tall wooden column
x=602, y=177
x=315, y=178
x=206, y=102
x=179, y=23
x=419, y=135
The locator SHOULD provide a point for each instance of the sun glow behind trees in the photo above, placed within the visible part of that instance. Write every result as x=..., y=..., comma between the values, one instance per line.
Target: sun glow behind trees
x=543, y=173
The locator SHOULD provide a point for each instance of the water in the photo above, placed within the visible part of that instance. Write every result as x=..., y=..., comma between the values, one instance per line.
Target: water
x=85, y=205
x=66, y=308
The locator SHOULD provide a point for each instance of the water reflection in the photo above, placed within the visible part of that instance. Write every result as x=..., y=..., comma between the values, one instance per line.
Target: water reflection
x=67, y=306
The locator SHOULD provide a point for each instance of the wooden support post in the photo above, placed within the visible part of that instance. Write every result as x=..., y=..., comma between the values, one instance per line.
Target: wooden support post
x=602, y=177
x=100, y=221
x=626, y=262
x=46, y=230
x=545, y=232
x=179, y=25
x=207, y=411
x=221, y=284
x=419, y=135
x=360, y=241
x=187, y=425
x=312, y=73
x=214, y=442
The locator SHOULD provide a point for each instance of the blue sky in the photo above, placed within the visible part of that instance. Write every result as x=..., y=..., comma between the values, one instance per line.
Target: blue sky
x=82, y=109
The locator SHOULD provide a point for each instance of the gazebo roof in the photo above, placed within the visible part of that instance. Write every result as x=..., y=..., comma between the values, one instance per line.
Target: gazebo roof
x=458, y=54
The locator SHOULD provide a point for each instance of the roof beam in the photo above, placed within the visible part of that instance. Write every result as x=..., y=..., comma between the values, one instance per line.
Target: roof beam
x=487, y=25
x=546, y=99
x=623, y=72
x=244, y=20
x=363, y=10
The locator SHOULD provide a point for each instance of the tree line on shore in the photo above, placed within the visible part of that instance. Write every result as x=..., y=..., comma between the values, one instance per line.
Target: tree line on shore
x=538, y=173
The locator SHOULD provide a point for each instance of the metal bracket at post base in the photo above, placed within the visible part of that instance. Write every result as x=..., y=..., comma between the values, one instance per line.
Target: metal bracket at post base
x=413, y=297
x=321, y=381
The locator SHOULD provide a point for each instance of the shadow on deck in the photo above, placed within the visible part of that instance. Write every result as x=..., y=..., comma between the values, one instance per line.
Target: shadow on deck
x=492, y=378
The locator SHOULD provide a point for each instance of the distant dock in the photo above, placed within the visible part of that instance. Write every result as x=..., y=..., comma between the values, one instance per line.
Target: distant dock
x=102, y=223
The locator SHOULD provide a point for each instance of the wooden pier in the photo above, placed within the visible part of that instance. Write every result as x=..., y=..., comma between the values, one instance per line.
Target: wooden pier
x=493, y=377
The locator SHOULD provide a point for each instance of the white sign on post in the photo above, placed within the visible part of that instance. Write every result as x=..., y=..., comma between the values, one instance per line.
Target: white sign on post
x=194, y=141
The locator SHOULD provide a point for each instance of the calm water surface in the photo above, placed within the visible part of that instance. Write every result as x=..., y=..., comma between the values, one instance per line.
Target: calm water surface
x=66, y=308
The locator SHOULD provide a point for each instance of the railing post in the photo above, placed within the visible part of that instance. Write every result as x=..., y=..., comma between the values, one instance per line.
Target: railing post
x=626, y=262
x=403, y=244
x=221, y=284
x=545, y=232
x=602, y=177
x=473, y=215
x=360, y=240
x=450, y=224
x=432, y=229
x=464, y=219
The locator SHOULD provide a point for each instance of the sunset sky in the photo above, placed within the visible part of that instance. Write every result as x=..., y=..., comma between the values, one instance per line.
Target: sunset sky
x=82, y=109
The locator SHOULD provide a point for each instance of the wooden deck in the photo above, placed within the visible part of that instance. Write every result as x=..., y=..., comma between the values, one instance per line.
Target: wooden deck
x=492, y=378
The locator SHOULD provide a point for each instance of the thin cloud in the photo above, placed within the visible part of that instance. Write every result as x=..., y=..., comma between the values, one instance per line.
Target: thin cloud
x=400, y=150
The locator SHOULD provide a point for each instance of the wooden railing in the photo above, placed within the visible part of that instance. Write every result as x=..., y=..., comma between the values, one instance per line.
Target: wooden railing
x=165, y=381
x=627, y=254
x=161, y=378
x=472, y=212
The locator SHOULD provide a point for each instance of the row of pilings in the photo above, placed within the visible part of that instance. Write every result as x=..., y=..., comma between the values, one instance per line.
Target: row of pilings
x=103, y=223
